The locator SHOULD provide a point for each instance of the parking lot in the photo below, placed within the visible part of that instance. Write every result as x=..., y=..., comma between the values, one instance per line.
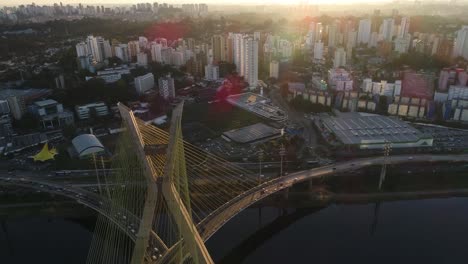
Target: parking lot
x=446, y=139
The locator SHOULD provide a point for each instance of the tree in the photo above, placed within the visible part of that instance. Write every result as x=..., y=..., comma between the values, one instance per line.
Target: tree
x=27, y=122
x=69, y=131
x=115, y=61
x=284, y=90
x=383, y=104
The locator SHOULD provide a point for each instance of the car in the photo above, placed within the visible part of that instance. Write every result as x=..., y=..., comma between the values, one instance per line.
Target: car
x=410, y=158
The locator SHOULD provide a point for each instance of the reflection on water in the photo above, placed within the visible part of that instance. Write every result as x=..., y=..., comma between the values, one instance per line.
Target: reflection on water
x=416, y=231
x=424, y=231
x=50, y=240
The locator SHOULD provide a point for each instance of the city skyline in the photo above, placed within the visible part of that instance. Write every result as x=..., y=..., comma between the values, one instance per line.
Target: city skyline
x=216, y=2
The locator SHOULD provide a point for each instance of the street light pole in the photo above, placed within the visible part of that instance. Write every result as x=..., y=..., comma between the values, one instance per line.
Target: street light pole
x=282, y=153
x=387, y=149
x=260, y=159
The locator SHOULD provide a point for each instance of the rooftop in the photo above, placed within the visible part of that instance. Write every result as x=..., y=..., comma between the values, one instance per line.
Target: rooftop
x=362, y=128
x=252, y=133
x=45, y=102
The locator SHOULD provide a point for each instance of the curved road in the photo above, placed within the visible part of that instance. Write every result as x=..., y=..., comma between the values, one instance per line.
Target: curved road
x=129, y=223
x=219, y=217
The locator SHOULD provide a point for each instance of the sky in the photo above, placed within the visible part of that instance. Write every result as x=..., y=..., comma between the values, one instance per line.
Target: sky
x=229, y=2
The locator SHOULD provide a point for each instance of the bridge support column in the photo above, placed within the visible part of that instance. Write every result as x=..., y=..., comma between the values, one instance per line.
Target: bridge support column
x=383, y=172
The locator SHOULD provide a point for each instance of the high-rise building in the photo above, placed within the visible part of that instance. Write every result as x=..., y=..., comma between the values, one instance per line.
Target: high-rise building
x=142, y=42
x=156, y=55
x=142, y=59
x=332, y=35
x=133, y=49
x=96, y=48
x=249, y=61
x=144, y=83
x=310, y=38
x=237, y=45
x=461, y=43
x=211, y=72
x=402, y=44
x=387, y=29
x=318, y=51
x=17, y=106
x=318, y=32
x=218, y=44
x=274, y=69
x=121, y=52
x=107, y=49
x=339, y=59
x=177, y=58
x=4, y=108
x=81, y=49
x=404, y=27
x=166, y=87
x=364, y=31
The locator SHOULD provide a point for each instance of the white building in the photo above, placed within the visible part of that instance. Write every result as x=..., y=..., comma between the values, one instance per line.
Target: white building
x=156, y=55
x=121, y=52
x=81, y=49
x=404, y=27
x=402, y=44
x=166, y=87
x=340, y=80
x=96, y=47
x=111, y=75
x=274, y=69
x=249, y=61
x=84, y=111
x=461, y=43
x=144, y=83
x=381, y=88
x=332, y=35
x=142, y=42
x=318, y=51
x=364, y=31
x=339, y=60
x=458, y=92
x=142, y=59
x=177, y=58
x=237, y=40
x=211, y=72
x=387, y=29
x=107, y=49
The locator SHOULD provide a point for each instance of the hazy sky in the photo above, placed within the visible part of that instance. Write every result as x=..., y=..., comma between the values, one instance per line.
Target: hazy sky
x=230, y=2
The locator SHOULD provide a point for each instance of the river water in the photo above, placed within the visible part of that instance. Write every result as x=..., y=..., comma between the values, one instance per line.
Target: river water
x=417, y=231
x=410, y=231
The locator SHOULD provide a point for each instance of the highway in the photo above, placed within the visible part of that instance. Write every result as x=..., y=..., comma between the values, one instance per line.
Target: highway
x=219, y=217
x=122, y=218
x=214, y=221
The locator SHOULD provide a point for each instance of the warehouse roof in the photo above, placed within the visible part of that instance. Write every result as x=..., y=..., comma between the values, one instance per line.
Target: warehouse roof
x=252, y=133
x=87, y=144
x=360, y=128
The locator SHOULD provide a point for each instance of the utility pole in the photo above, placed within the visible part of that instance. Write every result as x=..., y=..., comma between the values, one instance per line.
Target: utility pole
x=387, y=149
x=260, y=159
x=282, y=153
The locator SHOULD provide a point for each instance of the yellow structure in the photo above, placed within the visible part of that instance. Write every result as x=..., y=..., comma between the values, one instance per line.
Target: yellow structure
x=45, y=154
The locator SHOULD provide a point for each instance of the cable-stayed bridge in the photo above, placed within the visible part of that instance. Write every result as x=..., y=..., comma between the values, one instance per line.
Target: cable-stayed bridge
x=167, y=196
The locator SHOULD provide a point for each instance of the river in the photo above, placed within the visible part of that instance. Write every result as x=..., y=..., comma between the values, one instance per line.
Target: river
x=431, y=230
